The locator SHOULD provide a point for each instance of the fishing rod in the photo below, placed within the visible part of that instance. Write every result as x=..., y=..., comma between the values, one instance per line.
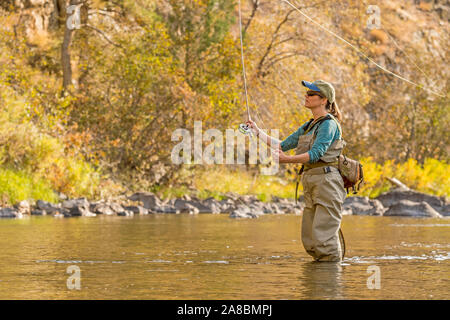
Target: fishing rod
x=244, y=128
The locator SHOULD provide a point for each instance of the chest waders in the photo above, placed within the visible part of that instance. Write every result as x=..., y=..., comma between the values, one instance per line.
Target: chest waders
x=324, y=195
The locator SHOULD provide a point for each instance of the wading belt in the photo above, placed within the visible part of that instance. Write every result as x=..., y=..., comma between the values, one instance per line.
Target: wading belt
x=309, y=166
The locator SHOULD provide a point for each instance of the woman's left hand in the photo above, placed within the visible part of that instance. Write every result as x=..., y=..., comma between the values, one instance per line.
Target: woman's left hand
x=281, y=156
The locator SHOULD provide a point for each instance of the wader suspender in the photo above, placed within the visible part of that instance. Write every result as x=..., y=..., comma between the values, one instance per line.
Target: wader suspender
x=308, y=128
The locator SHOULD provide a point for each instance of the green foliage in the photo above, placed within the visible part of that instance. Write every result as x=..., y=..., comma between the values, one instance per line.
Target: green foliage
x=33, y=163
x=19, y=185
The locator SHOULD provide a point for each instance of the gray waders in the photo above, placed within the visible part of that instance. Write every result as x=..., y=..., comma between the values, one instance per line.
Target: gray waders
x=324, y=195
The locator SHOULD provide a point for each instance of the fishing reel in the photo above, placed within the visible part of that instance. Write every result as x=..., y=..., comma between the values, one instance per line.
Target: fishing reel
x=245, y=129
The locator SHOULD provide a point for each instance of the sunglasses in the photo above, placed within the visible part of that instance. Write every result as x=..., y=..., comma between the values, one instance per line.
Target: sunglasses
x=314, y=93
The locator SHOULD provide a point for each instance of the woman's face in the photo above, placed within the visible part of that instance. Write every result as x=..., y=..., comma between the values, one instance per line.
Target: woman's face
x=314, y=100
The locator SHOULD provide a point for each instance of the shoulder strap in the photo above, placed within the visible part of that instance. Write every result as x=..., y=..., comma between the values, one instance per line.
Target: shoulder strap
x=322, y=119
x=307, y=125
x=316, y=123
x=312, y=123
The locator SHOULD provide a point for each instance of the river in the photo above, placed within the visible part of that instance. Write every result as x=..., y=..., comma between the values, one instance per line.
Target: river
x=215, y=257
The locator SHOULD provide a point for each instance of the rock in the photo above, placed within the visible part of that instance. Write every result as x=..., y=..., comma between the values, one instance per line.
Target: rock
x=137, y=210
x=192, y=209
x=231, y=195
x=23, y=207
x=89, y=214
x=248, y=199
x=202, y=207
x=101, y=208
x=149, y=199
x=125, y=213
x=446, y=210
x=245, y=212
x=77, y=207
x=213, y=205
x=256, y=208
x=63, y=213
x=68, y=204
x=47, y=206
x=117, y=208
x=362, y=206
x=166, y=209
x=392, y=197
x=407, y=208
x=10, y=213
x=227, y=206
x=289, y=206
x=209, y=205
x=38, y=212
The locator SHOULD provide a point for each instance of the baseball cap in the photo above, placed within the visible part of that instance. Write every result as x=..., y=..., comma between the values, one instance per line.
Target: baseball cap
x=324, y=87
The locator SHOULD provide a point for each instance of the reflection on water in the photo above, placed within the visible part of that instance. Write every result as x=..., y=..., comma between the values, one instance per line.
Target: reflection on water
x=215, y=257
x=322, y=280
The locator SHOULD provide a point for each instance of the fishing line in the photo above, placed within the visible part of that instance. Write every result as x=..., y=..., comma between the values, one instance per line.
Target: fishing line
x=362, y=53
x=407, y=56
x=243, y=128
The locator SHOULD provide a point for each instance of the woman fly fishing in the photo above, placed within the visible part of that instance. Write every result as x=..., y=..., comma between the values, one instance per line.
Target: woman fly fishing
x=318, y=144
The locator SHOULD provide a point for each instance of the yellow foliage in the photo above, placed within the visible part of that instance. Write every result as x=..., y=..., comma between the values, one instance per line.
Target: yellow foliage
x=431, y=177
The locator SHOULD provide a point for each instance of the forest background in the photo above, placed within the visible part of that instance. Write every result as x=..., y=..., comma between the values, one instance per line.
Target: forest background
x=90, y=112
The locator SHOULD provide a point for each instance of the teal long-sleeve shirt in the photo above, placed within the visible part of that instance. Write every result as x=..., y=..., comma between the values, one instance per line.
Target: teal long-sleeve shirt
x=327, y=133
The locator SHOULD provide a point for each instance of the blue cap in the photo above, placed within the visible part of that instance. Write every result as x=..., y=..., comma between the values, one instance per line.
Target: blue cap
x=310, y=85
x=324, y=87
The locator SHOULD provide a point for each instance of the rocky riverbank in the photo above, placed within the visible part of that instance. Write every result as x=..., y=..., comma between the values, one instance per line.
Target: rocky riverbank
x=396, y=202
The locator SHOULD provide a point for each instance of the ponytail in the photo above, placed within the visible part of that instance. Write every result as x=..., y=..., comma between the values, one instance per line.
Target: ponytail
x=334, y=110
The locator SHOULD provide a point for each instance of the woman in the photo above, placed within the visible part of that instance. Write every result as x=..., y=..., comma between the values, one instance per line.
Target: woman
x=318, y=144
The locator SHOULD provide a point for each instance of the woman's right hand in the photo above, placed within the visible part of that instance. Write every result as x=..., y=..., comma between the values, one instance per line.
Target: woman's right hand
x=251, y=124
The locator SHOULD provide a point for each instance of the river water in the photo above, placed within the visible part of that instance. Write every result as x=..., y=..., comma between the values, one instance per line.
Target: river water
x=215, y=257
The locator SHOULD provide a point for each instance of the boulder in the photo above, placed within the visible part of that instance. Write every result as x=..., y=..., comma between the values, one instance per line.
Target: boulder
x=38, y=212
x=446, y=210
x=167, y=209
x=407, y=208
x=191, y=209
x=125, y=213
x=231, y=195
x=213, y=205
x=272, y=208
x=48, y=207
x=227, y=206
x=10, y=213
x=248, y=199
x=101, y=208
x=362, y=206
x=77, y=207
x=149, y=199
x=440, y=204
x=117, y=208
x=243, y=211
x=23, y=207
x=137, y=210
x=185, y=206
